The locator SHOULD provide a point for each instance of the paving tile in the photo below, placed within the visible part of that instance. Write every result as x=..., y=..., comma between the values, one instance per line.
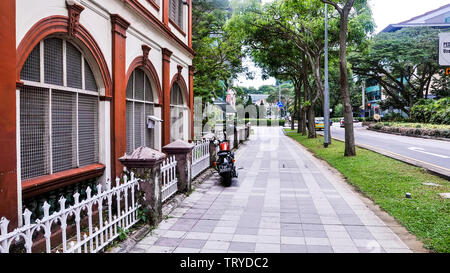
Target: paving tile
x=319, y=249
x=345, y=249
x=192, y=243
x=216, y=245
x=224, y=230
x=197, y=235
x=293, y=248
x=293, y=240
x=315, y=233
x=268, y=239
x=186, y=250
x=221, y=237
x=174, y=234
x=317, y=241
x=244, y=238
x=170, y=242
x=246, y=231
x=241, y=246
x=267, y=248
x=160, y=249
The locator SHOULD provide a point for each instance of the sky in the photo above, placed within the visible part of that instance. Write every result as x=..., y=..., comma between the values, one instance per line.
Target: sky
x=385, y=12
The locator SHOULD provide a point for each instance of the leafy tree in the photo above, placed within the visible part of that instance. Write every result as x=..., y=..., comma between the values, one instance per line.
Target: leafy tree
x=405, y=64
x=218, y=51
x=361, y=23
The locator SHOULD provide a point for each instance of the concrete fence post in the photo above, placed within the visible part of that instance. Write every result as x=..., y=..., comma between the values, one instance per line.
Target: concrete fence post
x=182, y=151
x=145, y=163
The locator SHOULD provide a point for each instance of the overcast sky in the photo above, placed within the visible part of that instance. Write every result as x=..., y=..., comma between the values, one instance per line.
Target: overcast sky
x=385, y=12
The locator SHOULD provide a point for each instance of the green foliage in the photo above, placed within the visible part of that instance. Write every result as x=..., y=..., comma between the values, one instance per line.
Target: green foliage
x=385, y=181
x=402, y=62
x=218, y=50
x=123, y=233
x=431, y=111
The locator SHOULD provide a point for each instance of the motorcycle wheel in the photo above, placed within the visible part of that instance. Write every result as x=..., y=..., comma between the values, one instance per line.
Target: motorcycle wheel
x=226, y=178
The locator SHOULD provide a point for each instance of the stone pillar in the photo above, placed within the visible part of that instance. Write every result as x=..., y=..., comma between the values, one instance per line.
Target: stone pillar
x=182, y=151
x=145, y=163
x=212, y=148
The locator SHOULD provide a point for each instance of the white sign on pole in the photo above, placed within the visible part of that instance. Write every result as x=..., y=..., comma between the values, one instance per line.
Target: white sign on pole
x=444, y=49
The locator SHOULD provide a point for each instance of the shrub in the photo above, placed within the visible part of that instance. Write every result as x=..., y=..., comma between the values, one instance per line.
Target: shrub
x=431, y=111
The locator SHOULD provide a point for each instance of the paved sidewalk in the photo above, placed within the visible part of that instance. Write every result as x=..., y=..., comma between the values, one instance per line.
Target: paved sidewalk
x=283, y=201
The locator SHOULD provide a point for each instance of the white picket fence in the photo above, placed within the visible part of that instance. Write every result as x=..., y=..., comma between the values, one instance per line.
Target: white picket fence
x=93, y=237
x=169, y=178
x=200, y=158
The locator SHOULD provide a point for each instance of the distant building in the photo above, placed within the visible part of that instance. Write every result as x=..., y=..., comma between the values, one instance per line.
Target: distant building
x=259, y=98
x=438, y=18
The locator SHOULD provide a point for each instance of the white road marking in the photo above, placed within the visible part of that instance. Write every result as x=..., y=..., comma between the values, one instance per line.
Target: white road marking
x=420, y=150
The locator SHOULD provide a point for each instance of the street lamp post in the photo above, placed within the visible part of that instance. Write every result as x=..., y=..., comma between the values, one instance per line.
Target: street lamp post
x=326, y=103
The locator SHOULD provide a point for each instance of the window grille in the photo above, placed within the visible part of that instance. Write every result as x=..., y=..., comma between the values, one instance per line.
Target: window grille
x=89, y=78
x=31, y=69
x=178, y=113
x=176, y=98
x=176, y=12
x=53, y=61
x=88, y=129
x=58, y=119
x=139, y=105
x=63, y=130
x=34, y=132
x=129, y=126
x=73, y=64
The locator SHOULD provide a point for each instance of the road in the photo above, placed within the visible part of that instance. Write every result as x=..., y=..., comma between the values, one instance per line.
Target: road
x=285, y=200
x=430, y=151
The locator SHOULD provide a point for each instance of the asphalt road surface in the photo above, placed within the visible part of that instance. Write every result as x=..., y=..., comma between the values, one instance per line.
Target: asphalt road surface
x=435, y=152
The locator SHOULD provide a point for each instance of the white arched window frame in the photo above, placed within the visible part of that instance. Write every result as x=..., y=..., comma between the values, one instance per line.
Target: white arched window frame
x=58, y=110
x=179, y=114
x=139, y=105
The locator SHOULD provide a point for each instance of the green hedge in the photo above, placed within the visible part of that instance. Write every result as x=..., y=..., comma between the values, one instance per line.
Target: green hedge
x=431, y=111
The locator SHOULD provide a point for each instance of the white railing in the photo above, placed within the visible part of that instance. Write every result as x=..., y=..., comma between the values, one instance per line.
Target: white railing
x=200, y=157
x=92, y=237
x=169, y=178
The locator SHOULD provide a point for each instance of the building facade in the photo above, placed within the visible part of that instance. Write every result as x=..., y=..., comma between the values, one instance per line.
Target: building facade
x=84, y=82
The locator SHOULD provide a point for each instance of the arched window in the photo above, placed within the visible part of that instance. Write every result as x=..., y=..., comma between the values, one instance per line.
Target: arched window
x=58, y=110
x=140, y=104
x=179, y=114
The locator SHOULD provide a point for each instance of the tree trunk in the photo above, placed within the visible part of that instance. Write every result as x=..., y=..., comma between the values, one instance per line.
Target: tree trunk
x=345, y=92
x=311, y=122
x=295, y=109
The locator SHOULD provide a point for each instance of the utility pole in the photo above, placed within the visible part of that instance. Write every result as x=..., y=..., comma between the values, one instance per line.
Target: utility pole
x=326, y=102
x=364, y=98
